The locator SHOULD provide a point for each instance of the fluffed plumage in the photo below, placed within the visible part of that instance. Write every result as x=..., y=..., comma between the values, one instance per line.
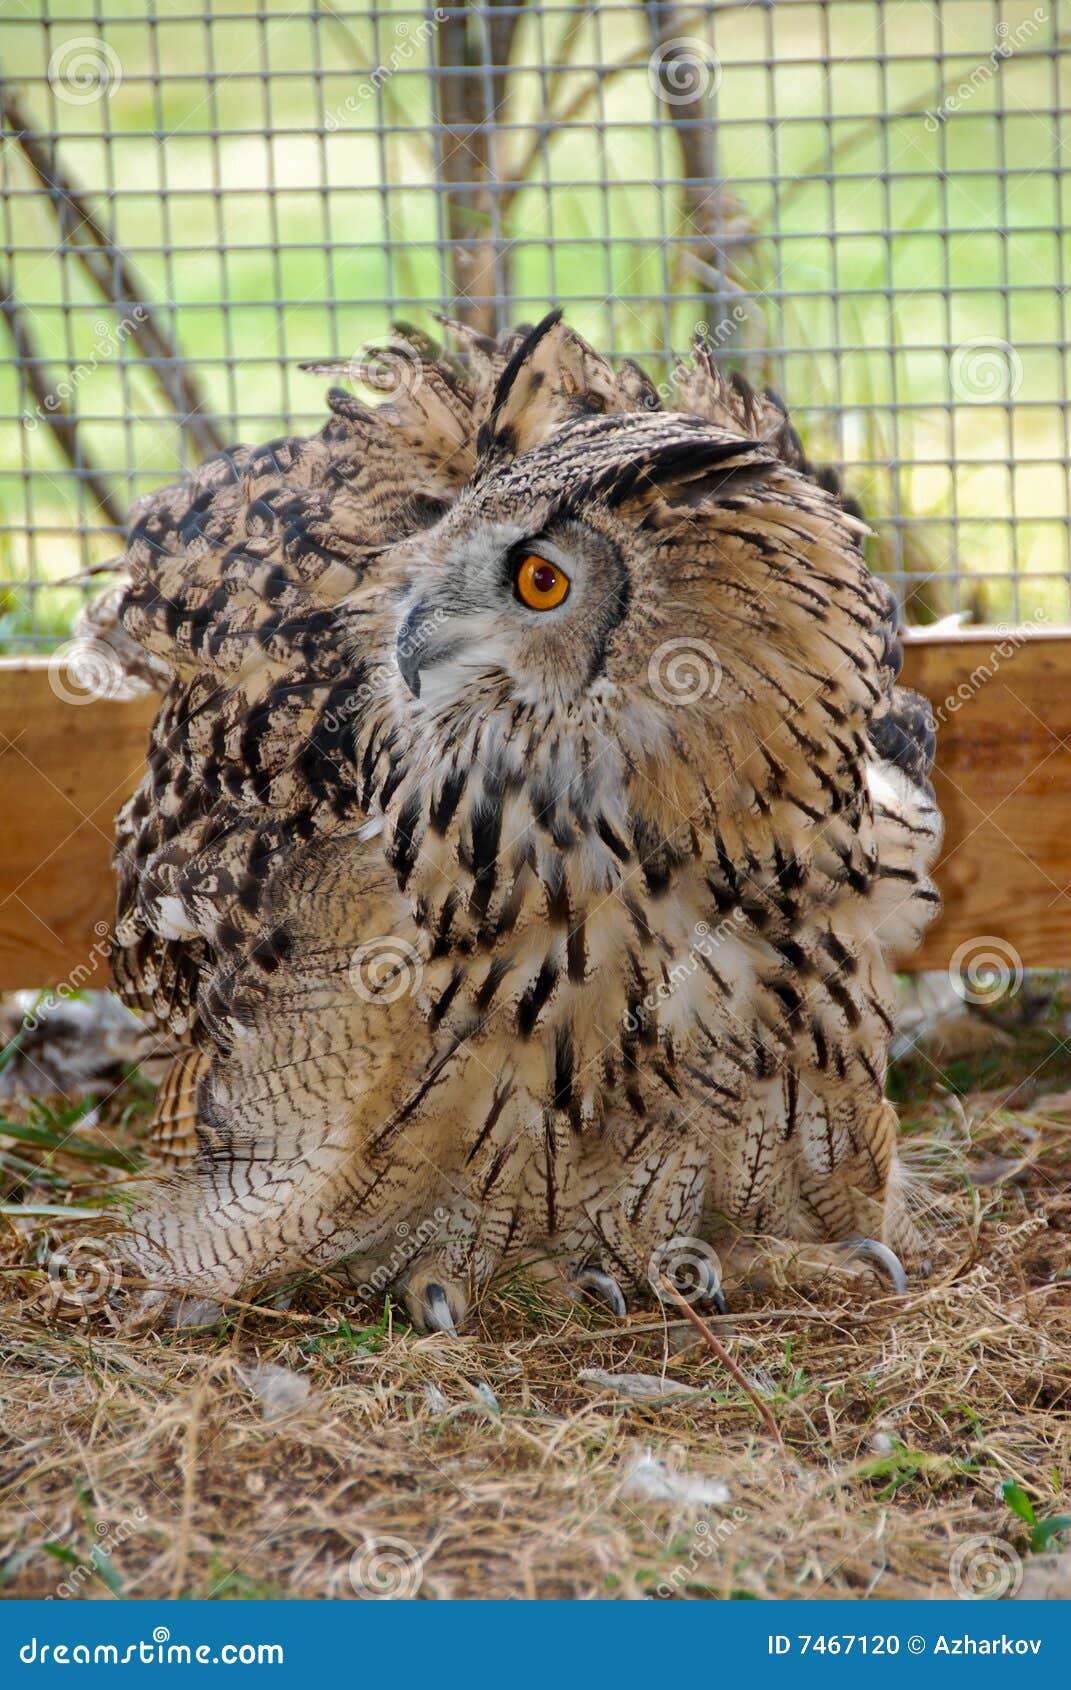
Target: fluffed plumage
x=568, y=926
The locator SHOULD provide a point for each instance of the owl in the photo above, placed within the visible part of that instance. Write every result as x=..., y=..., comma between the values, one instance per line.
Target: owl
x=529, y=822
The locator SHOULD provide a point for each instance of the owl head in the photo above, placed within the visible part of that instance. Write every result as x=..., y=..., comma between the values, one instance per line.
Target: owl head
x=639, y=597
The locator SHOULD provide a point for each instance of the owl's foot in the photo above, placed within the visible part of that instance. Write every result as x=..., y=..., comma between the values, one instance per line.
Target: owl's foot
x=874, y=1251
x=775, y=1264
x=435, y=1303
x=700, y=1284
x=600, y=1287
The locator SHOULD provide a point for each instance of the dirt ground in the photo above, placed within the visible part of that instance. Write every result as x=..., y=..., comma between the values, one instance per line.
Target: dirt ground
x=322, y=1449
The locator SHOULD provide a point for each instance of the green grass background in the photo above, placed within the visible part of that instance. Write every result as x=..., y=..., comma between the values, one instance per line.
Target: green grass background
x=822, y=135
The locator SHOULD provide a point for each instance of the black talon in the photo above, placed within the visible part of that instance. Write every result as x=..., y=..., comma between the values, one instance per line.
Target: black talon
x=717, y=1297
x=710, y=1289
x=437, y=1315
x=707, y=1290
x=871, y=1249
x=604, y=1289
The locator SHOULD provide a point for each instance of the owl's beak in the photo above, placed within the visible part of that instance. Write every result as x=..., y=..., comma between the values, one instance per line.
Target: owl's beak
x=428, y=638
x=409, y=668
x=411, y=646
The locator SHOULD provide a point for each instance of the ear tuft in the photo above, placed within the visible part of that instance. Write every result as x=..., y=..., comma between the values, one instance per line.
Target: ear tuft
x=518, y=384
x=552, y=377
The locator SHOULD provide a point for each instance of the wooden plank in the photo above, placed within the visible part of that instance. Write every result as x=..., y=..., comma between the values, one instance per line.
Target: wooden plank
x=1003, y=781
x=67, y=764
x=1003, y=704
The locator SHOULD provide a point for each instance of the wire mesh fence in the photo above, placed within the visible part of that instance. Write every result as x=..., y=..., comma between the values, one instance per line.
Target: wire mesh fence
x=862, y=202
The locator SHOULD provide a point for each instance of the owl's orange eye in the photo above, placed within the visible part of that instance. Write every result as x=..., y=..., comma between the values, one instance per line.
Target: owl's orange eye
x=539, y=584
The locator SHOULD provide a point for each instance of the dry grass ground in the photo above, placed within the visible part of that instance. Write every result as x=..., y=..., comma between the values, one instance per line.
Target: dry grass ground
x=375, y=1461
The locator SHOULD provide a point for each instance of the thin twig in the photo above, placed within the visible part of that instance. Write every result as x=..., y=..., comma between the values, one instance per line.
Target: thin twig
x=62, y=424
x=231, y=1302
x=589, y=1334
x=725, y=1358
x=235, y=1303
x=110, y=270
x=189, y=1493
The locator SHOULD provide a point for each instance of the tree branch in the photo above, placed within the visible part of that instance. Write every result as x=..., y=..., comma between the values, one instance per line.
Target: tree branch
x=62, y=424
x=111, y=273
